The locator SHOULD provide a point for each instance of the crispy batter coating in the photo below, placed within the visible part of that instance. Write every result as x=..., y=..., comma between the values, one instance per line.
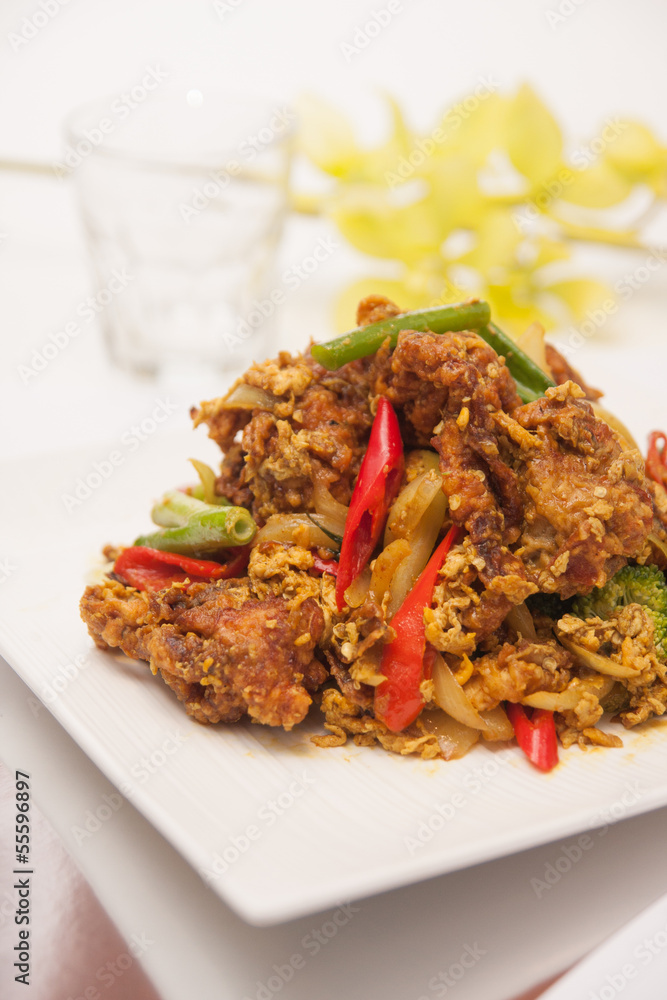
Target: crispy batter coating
x=517, y=670
x=586, y=507
x=316, y=426
x=448, y=388
x=343, y=717
x=223, y=652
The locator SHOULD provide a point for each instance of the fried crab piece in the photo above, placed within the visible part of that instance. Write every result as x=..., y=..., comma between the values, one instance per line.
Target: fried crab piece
x=304, y=424
x=447, y=388
x=222, y=651
x=586, y=507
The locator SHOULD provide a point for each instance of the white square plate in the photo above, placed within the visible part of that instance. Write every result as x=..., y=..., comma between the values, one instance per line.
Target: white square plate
x=278, y=827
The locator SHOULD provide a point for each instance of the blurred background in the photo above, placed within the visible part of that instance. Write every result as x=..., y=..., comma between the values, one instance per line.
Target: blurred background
x=585, y=80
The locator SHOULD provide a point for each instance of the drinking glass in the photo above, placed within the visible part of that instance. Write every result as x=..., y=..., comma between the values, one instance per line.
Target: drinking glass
x=183, y=199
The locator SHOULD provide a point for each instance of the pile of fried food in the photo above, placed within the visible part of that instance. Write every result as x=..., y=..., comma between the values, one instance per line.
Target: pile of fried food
x=421, y=529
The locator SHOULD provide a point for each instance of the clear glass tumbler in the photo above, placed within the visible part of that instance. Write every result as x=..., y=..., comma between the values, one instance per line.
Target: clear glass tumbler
x=183, y=201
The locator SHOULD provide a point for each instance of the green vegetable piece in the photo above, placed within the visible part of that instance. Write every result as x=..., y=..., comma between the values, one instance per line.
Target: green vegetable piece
x=176, y=508
x=527, y=395
x=531, y=381
x=644, y=585
x=367, y=340
x=191, y=527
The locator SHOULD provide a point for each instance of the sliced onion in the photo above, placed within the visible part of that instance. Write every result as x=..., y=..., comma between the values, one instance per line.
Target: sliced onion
x=420, y=552
x=386, y=565
x=658, y=543
x=531, y=343
x=521, y=620
x=552, y=701
x=453, y=737
x=328, y=527
x=498, y=725
x=411, y=504
x=357, y=592
x=207, y=479
x=603, y=664
x=296, y=528
x=563, y=701
x=451, y=698
x=329, y=508
x=248, y=397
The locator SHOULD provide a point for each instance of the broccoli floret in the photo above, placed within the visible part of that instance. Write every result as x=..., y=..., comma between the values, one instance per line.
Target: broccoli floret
x=660, y=635
x=644, y=585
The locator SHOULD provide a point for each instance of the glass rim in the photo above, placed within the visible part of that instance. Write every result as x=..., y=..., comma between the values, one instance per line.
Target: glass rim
x=74, y=124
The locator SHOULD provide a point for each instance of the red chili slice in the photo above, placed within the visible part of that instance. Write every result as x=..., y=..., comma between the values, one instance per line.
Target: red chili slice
x=325, y=565
x=377, y=484
x=408, y=659
x=656, y=458
x=536, y=735
x=152, y=569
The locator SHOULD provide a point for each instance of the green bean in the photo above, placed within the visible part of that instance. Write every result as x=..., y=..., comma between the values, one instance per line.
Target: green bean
x=190, y=526
x=176, y=508
x=531, y=381
x=367, y=340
